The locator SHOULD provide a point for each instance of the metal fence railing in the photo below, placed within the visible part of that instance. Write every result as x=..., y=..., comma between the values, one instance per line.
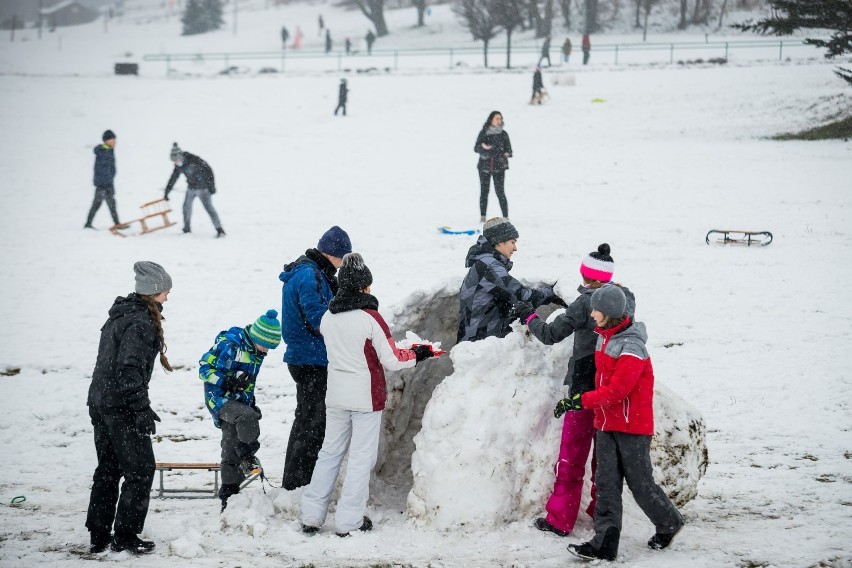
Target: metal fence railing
x=472, y=57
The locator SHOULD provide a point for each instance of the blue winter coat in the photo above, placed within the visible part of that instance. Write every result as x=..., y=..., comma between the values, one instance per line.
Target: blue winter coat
x=304, y=300
x=233, y=353
x=104, y=166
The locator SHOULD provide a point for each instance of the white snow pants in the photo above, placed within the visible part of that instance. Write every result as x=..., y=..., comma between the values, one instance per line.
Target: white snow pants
x=357, y=432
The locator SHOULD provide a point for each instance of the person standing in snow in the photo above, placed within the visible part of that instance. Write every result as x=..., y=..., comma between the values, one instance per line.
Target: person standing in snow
x=587, y=48
x=200, y=183
x=623, y=402
x=488, y=291
x=370, y=38
x=342, y=96
x=360, y=347
x=494, y=149
x=104, y=180
x=566, y=50
x=309, y=284
x=545, y=52
x=578, y=429
x=328, y=42
x=229, y=371
x=537, y=87
x=121, y=413
x=285, y=35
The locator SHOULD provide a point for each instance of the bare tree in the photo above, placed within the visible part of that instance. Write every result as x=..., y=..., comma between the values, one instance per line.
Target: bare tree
x=421, y=10
x=476, y=15
x=722, y=13
x=701, y=11
x=591, y=12
x=684, y=8
x=647, y=6
x=375, y=12
x=507, y=14
x=565, y=7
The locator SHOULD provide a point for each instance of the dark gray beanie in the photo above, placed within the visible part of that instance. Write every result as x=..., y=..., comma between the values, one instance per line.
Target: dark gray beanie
x=151, y=278
x=498, y=230
x=610, y=301
x=176, y=153
x=353, y=273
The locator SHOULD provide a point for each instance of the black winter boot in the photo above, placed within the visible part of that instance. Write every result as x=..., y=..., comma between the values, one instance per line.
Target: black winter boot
x=542, y=525
x=99, y=541
x=220, y=232
x=226, y=491
x=607, y=551
x=660, y=541
x=367, y=525
x=131, y=543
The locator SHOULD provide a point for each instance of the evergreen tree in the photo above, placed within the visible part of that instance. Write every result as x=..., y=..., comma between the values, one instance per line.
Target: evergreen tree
x=789, y=16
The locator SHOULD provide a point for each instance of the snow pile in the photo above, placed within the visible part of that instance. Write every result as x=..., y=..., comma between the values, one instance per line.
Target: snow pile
x=486, y=450
x=248, y=511
x=188, y=545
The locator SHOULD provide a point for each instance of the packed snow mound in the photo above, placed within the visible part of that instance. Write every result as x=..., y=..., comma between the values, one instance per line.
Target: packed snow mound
x=484, y=456
x=249, y=511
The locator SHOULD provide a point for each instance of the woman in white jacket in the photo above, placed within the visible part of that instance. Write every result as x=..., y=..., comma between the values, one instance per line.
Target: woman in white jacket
x=360, y=347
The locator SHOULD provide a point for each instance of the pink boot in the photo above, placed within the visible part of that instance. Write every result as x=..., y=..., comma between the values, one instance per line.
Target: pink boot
x=578, y=431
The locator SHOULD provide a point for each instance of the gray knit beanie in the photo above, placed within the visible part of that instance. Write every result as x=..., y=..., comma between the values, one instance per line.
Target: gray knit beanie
x=176, y=153
x=353, y=273
x=151, y=278
x=610, y=301
x=498, y=230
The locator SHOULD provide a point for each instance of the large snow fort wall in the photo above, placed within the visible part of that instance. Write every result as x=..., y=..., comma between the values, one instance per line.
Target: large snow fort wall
x=470, y=438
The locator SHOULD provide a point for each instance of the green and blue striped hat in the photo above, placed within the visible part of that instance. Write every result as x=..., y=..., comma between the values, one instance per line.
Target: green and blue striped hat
x=266, y=330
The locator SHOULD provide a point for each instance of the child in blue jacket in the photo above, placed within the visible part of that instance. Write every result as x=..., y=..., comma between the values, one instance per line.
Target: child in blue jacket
x=229, y=371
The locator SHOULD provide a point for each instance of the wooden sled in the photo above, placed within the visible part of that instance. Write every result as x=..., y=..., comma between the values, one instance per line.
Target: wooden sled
x=151, y=210
x=182, y=493
x=733, y=237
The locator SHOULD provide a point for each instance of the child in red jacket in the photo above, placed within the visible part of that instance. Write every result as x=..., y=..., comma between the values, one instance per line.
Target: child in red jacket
x=624, y=418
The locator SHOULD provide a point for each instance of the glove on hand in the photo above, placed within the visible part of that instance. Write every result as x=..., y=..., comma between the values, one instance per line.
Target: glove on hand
x=240, y=382
x=145, y=422
x=522, y=310
x=567, y=405
x=422, y=352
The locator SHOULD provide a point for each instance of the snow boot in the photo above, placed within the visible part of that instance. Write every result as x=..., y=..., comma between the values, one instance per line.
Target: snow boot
x=99, y=541
x=87, y=226
x=660, y=541
x=250, y=465
x=131, y=543
x=186, y=230
x=542, y=525
x=607, y=551
x=220, y=232
x=308, y=529
x=226, y=491
x=367, y=525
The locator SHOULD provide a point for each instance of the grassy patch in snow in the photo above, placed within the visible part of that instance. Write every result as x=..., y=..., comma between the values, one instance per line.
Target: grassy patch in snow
x=837, y=130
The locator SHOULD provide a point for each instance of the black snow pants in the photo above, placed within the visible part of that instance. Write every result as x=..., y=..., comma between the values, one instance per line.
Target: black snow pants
x=122, y=452
x=627, y=457
x=240, y=431
x=308, y=429
x=485, y=187
x=106, y=193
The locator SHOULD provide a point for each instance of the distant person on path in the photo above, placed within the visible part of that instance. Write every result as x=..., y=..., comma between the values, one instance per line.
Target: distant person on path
x=200, y=184
x=285, y=35
x=229, y=371
x=308, y=285
x=578, y=429
x=104, y=180
x=494, y=149
x=321, y=24
x=121, y=413
x=328, y=42
x=342, y=97
x=545, y=51
x=370, y=38
x=348, y=45
x=623, y=402
x=566, y=50
x=297, y=39
x=488, y=291
x=587, y=48
x=360, y=349
x=537, y=87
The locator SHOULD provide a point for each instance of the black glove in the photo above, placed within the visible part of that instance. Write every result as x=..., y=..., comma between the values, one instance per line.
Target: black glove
x=257, y=409
x=145, y=422
x=522, y=310
x=567, y=405
x=241, y=382
x=166, y=197
x=422, y=352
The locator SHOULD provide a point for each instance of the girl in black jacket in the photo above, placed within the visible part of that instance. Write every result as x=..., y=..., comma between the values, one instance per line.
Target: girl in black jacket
x=494, y=151
x=121, y=412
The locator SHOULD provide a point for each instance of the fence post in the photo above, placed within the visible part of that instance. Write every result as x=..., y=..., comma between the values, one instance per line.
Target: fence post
x=282, y=61
x=726, y=51
x=671, y=53
x=227, y=59
x=780, y=50
x=616, y=54
x=168, y=64
x=451, y=58
x=395, y=57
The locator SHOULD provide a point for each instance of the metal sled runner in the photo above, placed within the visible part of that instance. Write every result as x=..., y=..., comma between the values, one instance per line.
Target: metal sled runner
x=183, y=493
x=733, y=237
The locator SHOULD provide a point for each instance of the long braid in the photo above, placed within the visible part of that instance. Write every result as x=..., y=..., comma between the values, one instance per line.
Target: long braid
x=157, y=316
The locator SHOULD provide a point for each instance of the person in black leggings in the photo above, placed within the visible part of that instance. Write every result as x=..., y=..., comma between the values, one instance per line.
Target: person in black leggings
x=494, y=151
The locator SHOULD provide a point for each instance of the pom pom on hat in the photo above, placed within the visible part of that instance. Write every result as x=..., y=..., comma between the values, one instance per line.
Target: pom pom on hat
x=266, y=330
x=598, y=265
x=176, y=153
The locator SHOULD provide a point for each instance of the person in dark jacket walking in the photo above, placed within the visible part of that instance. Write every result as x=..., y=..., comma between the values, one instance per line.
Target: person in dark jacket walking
x=229, y=371
x=488, y=291
x=342, y=96
x=545, y=51
x=328, y=42
x=587, y=48
x=537, y=87
x=566, y=50
x=309, y=284
x=578, y=429
x=623, y=402
x=200, y=183
x=494, y=149
x=121, y=413
x=370, y=38
x=285, y=35
x=104, y=180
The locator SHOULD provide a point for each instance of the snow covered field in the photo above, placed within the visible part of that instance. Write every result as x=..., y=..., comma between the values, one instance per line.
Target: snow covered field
x=754, y=338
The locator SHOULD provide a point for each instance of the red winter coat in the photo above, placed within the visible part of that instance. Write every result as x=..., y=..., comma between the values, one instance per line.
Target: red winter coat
x=623, y=399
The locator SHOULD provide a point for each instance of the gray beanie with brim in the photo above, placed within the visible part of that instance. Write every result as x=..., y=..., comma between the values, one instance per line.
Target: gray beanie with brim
x=610, y=301
x=151, y=278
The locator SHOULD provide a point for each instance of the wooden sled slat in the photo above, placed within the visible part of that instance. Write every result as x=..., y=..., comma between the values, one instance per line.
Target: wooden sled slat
x=158, y=208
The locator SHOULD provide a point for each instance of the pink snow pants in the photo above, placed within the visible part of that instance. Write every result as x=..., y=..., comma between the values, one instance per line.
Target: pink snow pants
x=578, y=432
